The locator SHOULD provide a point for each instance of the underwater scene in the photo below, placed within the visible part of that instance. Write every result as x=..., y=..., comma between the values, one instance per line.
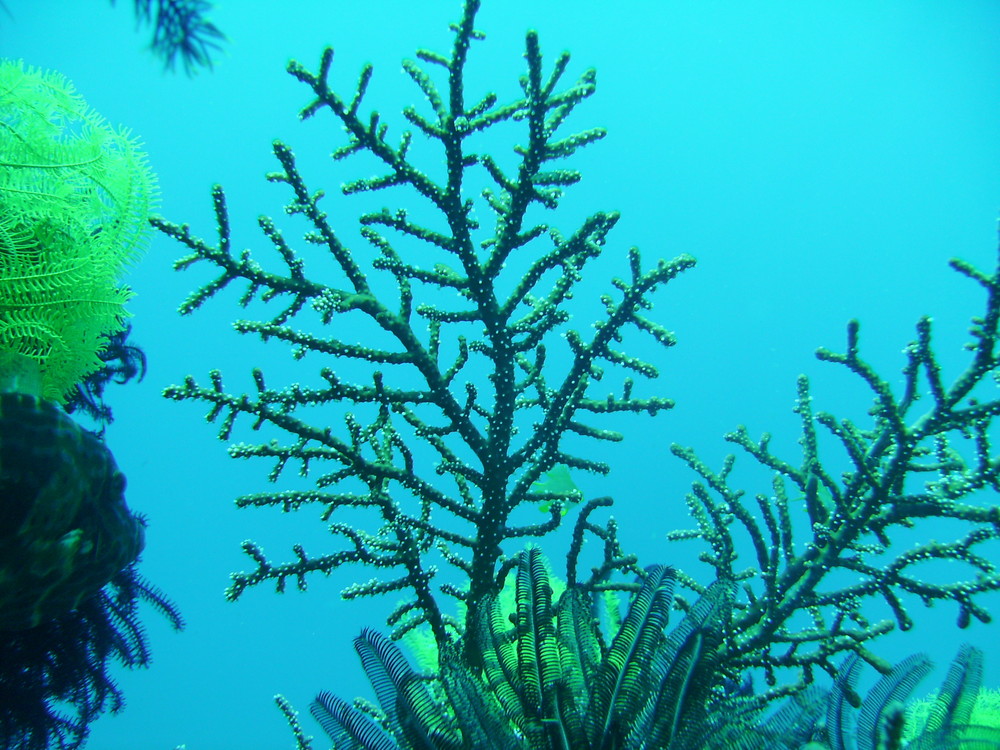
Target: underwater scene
x=499, y=374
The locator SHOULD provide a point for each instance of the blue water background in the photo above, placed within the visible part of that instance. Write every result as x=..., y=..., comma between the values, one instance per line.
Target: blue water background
x=822, y=161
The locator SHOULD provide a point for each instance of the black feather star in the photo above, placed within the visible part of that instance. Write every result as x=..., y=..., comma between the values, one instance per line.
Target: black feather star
x=181, y=31
x=880, y=721
x=949, y=725
x=546, y=678
x=123, y=360
x=55, y=678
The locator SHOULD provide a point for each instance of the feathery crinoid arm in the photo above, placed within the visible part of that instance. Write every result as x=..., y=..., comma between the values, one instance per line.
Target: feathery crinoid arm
x=447, y=350
x=75, y=194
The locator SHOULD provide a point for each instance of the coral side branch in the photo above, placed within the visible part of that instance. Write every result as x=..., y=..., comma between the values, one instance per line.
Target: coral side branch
x=927, y=457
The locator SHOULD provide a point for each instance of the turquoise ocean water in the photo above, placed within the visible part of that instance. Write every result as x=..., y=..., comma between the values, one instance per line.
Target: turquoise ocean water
x=822, y=161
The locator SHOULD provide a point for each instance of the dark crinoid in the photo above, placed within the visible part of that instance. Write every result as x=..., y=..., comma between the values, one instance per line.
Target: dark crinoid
x=548, y=679
x=880, y=721
x=123, y=361
x=55, y=677
x=69, y=586
x=181, y=31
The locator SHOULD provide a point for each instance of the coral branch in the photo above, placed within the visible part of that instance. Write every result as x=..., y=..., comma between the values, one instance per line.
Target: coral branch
x=906, y=470
x=462, y=409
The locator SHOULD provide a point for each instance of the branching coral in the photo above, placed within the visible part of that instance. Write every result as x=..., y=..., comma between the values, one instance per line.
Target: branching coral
x=460, y=381
x=448, y=431
x=928, y=456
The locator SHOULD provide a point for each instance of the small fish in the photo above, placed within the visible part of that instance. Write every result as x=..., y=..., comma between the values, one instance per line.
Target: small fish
x=818, y=499
x=557, y=480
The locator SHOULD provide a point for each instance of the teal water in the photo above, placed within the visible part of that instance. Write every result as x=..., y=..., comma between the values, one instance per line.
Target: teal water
x=822, y=162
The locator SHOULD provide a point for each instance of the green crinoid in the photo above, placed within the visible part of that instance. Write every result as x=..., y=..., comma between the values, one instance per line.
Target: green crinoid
x=75, y=194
